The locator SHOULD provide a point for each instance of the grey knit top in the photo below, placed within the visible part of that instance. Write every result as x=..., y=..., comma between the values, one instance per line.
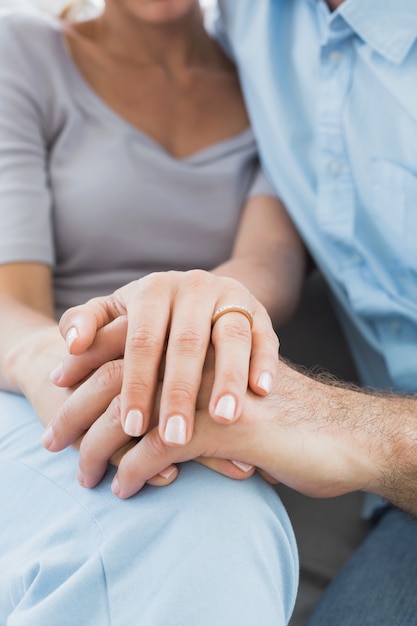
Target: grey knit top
x=91, y=195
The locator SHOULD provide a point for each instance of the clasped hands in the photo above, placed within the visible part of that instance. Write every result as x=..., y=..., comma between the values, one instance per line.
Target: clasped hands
x=145, y=362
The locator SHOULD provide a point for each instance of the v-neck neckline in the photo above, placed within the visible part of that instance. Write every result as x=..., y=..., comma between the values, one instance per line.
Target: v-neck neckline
x=83, y=89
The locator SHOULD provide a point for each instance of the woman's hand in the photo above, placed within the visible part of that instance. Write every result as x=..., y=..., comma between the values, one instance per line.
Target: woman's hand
x=170, y=315
x=28, y=366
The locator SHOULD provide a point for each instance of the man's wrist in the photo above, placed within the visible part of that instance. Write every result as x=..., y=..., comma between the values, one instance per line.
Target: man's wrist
x=313, y=437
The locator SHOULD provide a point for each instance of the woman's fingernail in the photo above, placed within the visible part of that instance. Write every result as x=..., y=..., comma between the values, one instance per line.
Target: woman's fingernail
x=226, y=407
x=47, y=437
x=176, y=430
x=56, y=373
x=168, y=472
x=265, y=381
x=134, y=423
x=245, y=467
x=80, y=478
x=71, y=336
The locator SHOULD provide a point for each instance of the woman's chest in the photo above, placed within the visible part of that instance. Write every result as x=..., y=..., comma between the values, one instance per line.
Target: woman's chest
x=184, y=113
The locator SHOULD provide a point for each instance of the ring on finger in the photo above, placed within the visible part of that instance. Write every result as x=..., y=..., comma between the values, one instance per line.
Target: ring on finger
x=232, y=308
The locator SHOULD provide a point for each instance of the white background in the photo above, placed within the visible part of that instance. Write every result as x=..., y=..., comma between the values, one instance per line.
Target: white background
x=50, y=5
x=56, y=5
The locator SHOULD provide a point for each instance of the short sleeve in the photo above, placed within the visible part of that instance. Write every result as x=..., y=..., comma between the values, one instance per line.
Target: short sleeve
x=26, y=232
x=260, y=185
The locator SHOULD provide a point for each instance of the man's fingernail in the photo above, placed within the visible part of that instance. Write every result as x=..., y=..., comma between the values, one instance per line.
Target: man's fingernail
x=245, y=467
x=55, y=375
x=47, y=437
x=168, y=472
x=115, y=486
x=71, y=336
x=265, y=381
x=80, y=477
x=176, y=430
x=226, y=407
x=134, y=423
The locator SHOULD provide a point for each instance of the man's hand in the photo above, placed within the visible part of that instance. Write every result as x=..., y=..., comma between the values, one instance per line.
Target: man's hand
x=297, y=435
x=89, y=419
x=291, y=435
x=320, y=438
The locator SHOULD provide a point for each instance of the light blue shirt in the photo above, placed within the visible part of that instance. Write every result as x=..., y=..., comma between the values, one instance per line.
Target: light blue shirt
x=333, y=102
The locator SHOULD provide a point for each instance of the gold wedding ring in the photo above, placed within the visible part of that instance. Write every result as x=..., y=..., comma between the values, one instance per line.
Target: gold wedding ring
x=232, y=308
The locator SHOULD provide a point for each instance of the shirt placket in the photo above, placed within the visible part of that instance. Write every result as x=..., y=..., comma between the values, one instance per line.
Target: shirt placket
x=335, y=193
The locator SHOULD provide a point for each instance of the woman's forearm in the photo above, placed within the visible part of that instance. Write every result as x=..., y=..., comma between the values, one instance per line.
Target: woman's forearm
x=26, y=314
x=20, y=334
x=269, y=257
x=31, y=346
x=274, y=276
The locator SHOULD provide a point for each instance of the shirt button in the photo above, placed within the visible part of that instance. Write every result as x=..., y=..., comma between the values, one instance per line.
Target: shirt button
x=335, y=56
x=335, y=168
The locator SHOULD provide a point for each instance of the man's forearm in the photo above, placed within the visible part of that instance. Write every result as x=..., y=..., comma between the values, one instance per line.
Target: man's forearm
x=345, y=439
x=389, y=424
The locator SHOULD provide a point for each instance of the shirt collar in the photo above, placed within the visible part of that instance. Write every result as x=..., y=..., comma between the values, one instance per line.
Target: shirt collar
x=387, y=26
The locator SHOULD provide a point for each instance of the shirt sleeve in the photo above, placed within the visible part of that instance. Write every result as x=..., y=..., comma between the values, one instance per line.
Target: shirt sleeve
x=260, y=185
x=26, y=232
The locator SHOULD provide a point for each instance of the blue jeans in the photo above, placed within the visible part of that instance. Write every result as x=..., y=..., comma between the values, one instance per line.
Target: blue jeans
x=204, y=551
x=378, y=585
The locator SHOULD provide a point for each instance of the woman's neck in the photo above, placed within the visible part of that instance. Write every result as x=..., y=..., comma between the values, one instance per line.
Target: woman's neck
x=173, y=45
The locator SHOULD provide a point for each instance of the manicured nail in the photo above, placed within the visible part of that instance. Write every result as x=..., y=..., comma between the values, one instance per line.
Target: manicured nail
x=245, y=467
x=71, y=336
x=168, y=472
x=265, y=381
x=115, y=486
x=226, y=407
x=47, y=437
x=55, y=375
x=133, y=423
x=176, y=430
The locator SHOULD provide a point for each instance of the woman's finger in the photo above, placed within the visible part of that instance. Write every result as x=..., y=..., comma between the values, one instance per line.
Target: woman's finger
x=108, y=345
x=79, y=324
x=265, y=353
x=246, y=350
x=101, y=441
x=188, y=342
x=84, y=406
x=232, y=340
x=148, y=314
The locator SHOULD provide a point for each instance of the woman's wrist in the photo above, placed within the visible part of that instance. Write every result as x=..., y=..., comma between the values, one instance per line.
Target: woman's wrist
x=35, y=353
